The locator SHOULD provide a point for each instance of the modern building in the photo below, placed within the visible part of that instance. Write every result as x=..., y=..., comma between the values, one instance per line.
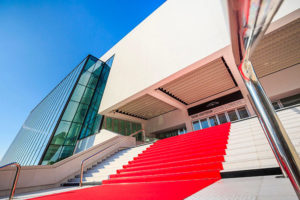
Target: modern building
x=172, y=74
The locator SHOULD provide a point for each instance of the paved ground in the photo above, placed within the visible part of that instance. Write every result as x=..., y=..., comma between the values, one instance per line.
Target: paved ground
x=44, y=192
x=252, y=188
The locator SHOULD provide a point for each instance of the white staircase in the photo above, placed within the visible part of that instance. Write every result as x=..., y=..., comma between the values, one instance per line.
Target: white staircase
x=109, y=166
x=248, y=147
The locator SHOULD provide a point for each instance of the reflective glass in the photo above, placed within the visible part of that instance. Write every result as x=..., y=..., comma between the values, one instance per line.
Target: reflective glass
x=128, y=128
x=292, y=100
x=73, y=134
x=116, y=125
x=243, y=113
x=84, y=79
x=204, y=123
x=52, y=154
x=109, y=123
x=61, y=133
x=89, y=66
x=87, y=96
x=276, y=105
x=70, y=111
x=93, y=81
x=213, y=121
x=222, y=118
x=66, y=152
x=196, y=125
x=78, y=92
x=80, y=114
x=232, y=115
x=32, y=139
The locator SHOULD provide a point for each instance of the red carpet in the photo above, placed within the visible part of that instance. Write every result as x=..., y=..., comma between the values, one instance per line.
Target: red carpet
x=172, y=168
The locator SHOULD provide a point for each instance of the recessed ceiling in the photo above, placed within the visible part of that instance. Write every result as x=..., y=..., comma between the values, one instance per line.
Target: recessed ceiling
x=278, y=50
x=145, y=107
x=201, y=83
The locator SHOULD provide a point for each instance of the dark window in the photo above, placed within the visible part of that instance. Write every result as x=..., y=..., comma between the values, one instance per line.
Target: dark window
x=243, y=113
x=276, y=105
x=222, y=118
x=232, y=115
x=292, y=100
x=213, y=121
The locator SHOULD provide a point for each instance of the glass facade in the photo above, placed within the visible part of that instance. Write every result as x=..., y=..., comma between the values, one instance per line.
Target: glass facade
x=32, y=139
x=221, y=118
x=68, y=113
x=171, y=133
x=81, y=118
x=122, y=127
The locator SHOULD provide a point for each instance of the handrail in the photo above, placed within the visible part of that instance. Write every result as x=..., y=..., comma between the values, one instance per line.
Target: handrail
x=82, y=163
x=12, y=192
x=137, y=132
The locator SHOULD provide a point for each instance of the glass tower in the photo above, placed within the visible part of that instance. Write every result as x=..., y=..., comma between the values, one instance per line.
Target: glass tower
x=68, y=113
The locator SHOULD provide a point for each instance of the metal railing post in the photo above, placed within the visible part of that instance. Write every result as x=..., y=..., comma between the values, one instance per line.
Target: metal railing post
x=13, y=188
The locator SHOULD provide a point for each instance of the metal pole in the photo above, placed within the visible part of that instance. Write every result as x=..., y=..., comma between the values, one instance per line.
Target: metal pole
x=12, y=192
x=249, y=20
x=278, y=139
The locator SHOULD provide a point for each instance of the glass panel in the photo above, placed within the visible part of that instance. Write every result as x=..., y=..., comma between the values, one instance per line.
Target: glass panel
x=98, y=68
x=90, y=64
x=276, y=105
x=66, y=152
x=128, y=128
x=289, y=101
x=73, y=134
x=78, y=93
x=84, y=78
x=213, y=121
x=80, y=114
x=196, y=125
x=61, y=133
x=93, y=81
x=122, y=127
x=232, y=115
x=70, y=111
x=109, y=123
x=243, y=113
x=116, y=125
x=52, y=154
x=204, y=123
x=182, y=131
x=88, y=94
x=222, y=118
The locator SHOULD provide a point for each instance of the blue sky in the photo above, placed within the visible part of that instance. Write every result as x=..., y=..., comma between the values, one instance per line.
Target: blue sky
x=42, y=41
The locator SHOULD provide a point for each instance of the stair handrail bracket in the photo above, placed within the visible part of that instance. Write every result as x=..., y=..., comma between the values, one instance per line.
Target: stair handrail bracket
x=12, y=191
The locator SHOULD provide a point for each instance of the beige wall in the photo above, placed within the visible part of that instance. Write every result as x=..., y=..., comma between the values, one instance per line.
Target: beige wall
x=283, y=83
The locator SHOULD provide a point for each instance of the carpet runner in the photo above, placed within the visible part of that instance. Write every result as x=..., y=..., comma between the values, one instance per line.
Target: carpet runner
x=172, y=168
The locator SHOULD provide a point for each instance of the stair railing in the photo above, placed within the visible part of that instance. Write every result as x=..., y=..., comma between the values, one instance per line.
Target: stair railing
x=12, y=191
x=137, y=132
x=83, y=161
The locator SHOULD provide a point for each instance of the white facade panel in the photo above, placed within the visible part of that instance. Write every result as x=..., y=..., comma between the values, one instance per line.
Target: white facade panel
x=176, y=35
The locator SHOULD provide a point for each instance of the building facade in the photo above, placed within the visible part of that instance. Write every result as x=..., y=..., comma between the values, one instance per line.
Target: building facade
x=67, y=114
x=172, y=74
